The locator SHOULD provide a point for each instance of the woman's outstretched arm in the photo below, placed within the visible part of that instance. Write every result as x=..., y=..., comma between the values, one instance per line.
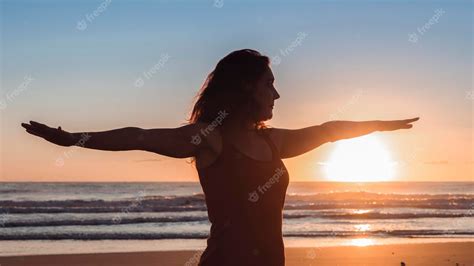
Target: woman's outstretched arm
x=294, y=142
x=178, y=142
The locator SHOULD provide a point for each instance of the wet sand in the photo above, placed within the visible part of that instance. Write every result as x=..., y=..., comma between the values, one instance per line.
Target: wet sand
x=461, y=253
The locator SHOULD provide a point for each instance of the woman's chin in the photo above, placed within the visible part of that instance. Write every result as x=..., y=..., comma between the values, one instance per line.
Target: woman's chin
x=267, y=116
x=264, y=116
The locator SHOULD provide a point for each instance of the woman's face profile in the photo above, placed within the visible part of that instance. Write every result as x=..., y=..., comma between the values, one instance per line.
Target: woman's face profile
x=265, y=95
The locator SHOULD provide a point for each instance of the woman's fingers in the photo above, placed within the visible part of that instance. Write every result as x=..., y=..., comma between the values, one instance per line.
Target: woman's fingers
x=36, y=124
x=39, y=126
x=398, y=124
x=54, y=135
x=26, y=126
x=30, y=128
x=38, y=129
x=405, y=124
x=411, y=120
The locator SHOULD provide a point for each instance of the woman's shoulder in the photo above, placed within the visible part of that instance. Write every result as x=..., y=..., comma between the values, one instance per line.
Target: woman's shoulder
x=275, y=135
x=213, y=136
x=208, y=132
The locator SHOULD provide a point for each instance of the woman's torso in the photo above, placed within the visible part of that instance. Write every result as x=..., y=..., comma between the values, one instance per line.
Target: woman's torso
x=245, y=198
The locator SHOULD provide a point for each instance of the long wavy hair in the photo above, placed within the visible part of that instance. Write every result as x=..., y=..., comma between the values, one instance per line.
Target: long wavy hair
x=229, y=88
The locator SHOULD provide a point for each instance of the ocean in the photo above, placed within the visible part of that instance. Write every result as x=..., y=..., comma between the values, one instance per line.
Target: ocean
x=49, y=218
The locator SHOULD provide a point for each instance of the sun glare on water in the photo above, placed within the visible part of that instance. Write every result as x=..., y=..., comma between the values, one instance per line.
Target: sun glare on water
x=363, y=159
x=362, y=242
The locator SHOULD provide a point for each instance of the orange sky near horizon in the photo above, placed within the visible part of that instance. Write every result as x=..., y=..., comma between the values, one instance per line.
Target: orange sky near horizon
x=420, y=153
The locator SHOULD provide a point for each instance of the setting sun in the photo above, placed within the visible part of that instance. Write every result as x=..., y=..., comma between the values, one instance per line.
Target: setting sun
x=363, y=159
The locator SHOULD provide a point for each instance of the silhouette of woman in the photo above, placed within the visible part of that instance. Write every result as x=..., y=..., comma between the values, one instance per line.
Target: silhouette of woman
x=238, y=158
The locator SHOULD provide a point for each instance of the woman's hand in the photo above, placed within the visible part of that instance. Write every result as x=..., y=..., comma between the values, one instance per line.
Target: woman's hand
x=54, y=135
x=396, y=124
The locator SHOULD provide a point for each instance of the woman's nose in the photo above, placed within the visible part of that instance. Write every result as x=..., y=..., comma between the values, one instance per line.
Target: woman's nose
x=275, y=94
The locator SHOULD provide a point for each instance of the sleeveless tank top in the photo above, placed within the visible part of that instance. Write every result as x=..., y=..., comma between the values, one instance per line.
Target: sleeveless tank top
x=244, y=199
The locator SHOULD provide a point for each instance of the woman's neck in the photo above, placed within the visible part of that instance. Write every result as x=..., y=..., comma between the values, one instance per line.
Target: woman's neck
x=239, y=126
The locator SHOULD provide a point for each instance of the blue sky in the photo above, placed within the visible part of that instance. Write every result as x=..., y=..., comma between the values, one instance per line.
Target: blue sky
x=84, y=79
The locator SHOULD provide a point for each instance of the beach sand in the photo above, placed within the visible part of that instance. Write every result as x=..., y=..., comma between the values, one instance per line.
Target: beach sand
x=461, y=253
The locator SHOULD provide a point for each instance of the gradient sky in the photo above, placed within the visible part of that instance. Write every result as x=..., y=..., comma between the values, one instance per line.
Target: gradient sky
x=355, y=62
